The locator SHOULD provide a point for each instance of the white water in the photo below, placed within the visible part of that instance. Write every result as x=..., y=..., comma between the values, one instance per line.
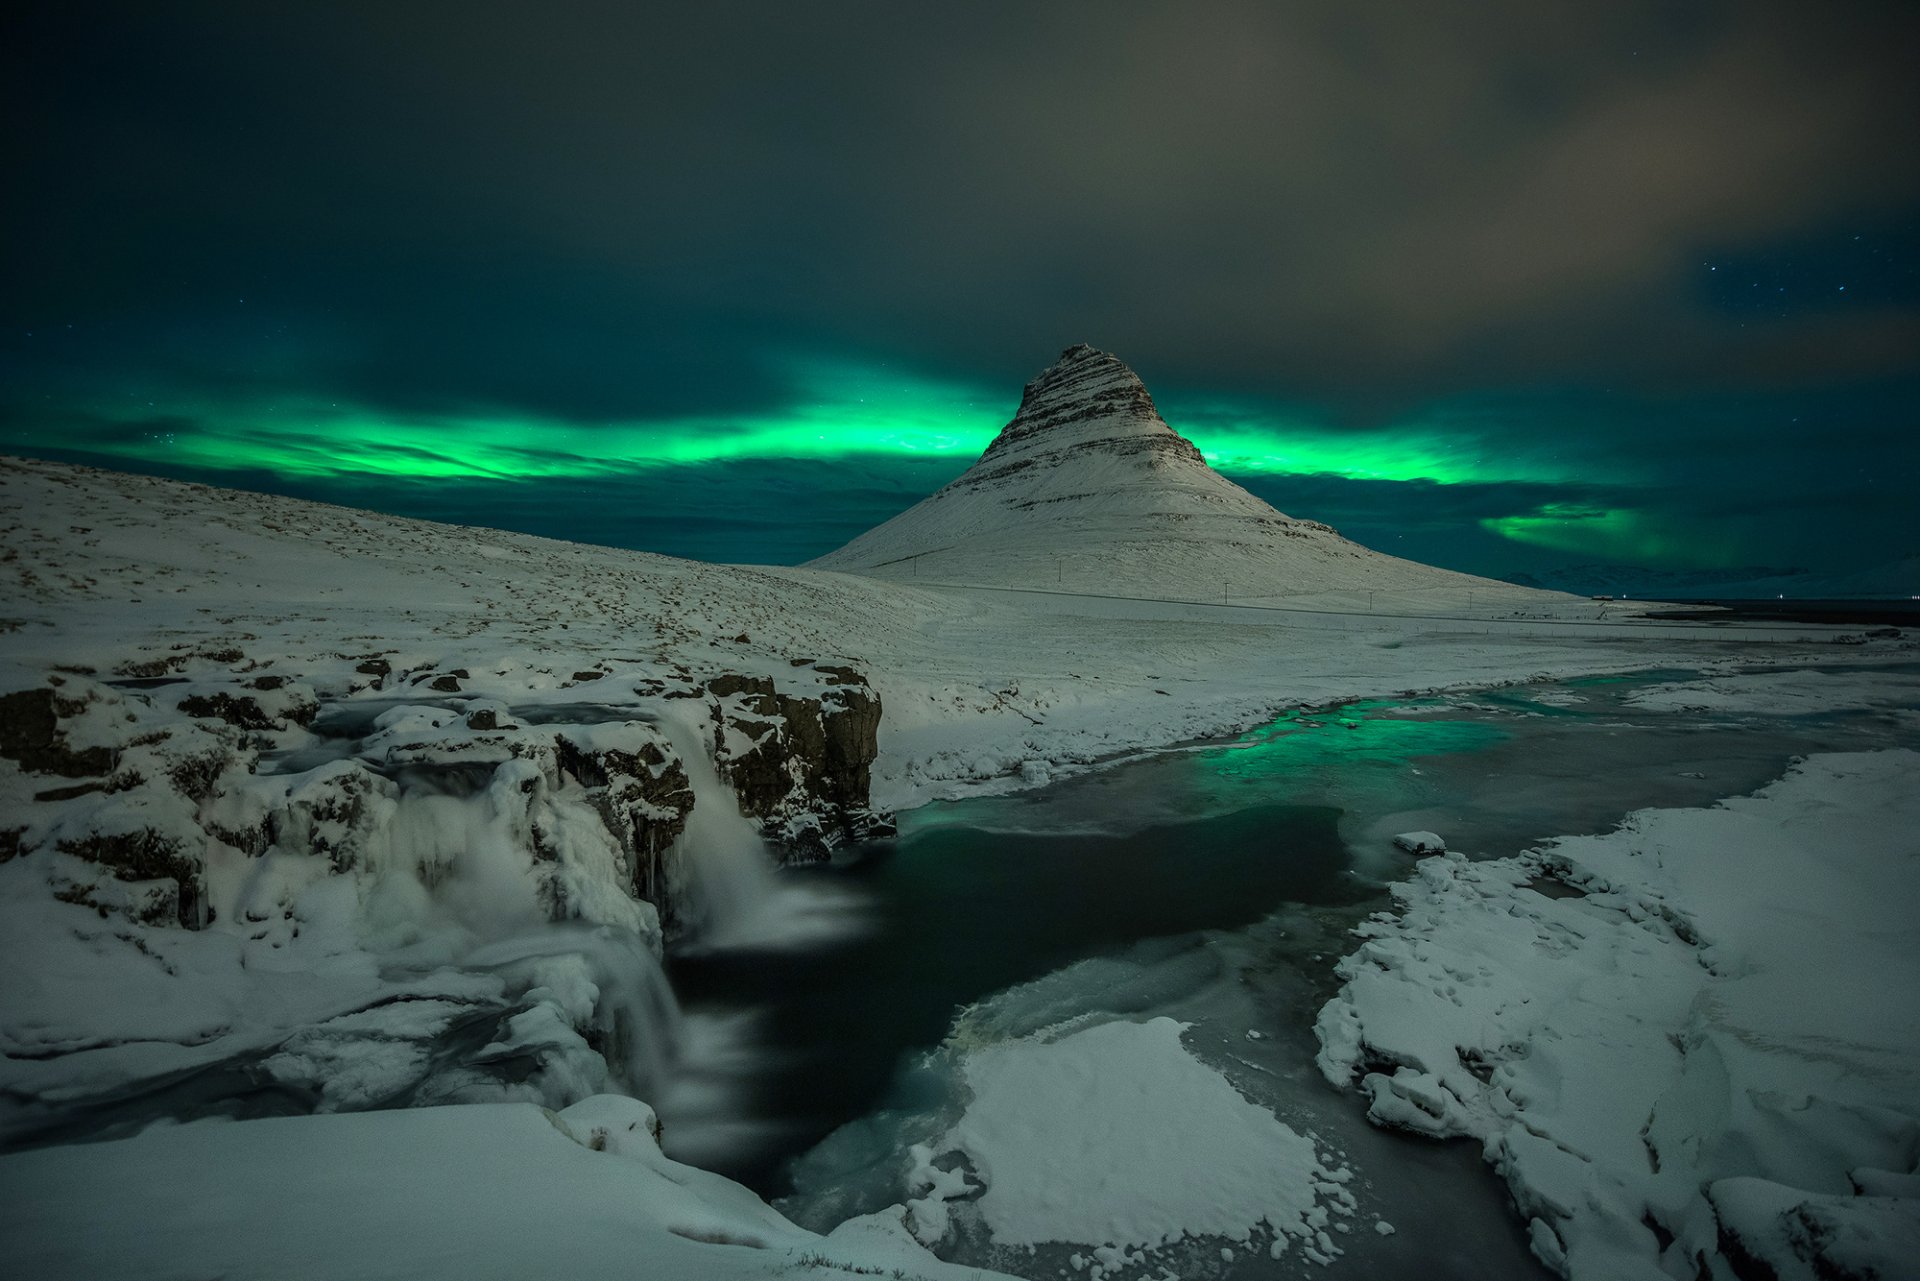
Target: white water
x=728, y=891
x=731, y=895
x=613, y=975
x=451, y=884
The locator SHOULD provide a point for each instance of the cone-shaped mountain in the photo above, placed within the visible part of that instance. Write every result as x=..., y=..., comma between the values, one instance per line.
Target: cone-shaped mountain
x=1089, y=490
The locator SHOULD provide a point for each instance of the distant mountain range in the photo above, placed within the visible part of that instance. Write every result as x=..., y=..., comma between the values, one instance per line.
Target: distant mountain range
x=1896, y=580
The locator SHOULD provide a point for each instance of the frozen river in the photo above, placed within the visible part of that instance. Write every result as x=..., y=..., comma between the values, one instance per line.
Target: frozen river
x=1216, y=884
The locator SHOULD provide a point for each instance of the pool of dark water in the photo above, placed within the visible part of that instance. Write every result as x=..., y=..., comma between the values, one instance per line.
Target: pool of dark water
x=1204, y=847
x=957, y=913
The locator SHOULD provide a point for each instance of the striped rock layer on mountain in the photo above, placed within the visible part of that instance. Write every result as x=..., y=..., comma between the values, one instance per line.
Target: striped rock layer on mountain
x=1088, y=490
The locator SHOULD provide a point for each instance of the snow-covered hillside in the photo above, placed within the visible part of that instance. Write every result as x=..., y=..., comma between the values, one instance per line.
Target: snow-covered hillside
x=1089, y=490
x=305, y=809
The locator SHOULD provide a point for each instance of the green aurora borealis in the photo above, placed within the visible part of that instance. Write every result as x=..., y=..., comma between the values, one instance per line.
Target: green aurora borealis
x=1626, y=288
x=837, y=410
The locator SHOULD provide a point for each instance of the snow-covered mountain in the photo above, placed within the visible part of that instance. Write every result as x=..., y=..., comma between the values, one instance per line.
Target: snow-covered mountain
x=1089, y=490
x=1891, y=580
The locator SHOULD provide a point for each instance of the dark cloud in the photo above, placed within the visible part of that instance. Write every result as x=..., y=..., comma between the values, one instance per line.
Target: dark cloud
x=1319, y=197
x=618, y=211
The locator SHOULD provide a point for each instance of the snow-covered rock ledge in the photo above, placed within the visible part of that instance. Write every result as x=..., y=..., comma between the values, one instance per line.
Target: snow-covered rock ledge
x=1691, y=1046
x=490, y=1190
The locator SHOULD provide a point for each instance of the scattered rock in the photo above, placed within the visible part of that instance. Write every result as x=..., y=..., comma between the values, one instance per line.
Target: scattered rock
x=244, y=711
x=147, y=670
x=68, y=793
x=143, y=854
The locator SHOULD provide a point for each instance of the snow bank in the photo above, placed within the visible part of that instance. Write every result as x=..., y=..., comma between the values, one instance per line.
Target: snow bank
x=1710, y=1052
x=498, y=1190
x=1116, y=1137
x=1798, y=693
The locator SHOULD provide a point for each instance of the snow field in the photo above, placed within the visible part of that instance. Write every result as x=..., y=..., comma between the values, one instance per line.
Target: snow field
x=1714, y=1048
x=505, y=1191
x=1116, y=1137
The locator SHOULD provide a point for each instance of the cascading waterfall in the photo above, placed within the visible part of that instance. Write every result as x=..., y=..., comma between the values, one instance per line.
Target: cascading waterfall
x=731, y=894
x=450, y=879
x=610, y=973
x=459, y=867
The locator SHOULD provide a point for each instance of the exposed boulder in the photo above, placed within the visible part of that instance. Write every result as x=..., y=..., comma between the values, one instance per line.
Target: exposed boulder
x=334, y=812
x=31, y=735
x=155, y=862
x=275, y=706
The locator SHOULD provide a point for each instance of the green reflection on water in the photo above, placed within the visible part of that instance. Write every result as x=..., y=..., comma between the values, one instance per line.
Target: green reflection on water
x=1343, y=750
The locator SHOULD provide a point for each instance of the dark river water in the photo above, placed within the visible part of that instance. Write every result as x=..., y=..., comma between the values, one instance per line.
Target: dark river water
x=1215, y=883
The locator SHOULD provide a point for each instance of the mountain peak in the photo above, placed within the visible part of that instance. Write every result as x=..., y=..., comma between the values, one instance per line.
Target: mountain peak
x=1089, y=491
x=1083, y=384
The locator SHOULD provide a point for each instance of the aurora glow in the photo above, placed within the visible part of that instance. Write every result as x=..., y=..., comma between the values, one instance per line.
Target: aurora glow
x=471, y=264
x=1619, y=534
x=836, y=409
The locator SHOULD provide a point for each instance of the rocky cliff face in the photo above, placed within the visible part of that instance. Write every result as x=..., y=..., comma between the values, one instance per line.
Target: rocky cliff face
x=801, y=765
x=1083, y=386
x=154, y=797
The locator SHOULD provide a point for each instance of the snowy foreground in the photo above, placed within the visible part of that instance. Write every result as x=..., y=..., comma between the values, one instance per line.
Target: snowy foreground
x=1116, y=1136
x=307, y=810
x=503, y=1190
x=1689, y=1045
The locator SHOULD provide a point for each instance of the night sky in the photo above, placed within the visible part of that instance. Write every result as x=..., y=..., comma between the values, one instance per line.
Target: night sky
x=1503, y=286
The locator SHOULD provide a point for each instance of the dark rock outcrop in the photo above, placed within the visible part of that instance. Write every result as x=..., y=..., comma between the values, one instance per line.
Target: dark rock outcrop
x=1083, y=384
x=30, y=735
x=244, y=711
x=644, y=799
x=798, y=751
x=146, y=855
x=805, y=772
